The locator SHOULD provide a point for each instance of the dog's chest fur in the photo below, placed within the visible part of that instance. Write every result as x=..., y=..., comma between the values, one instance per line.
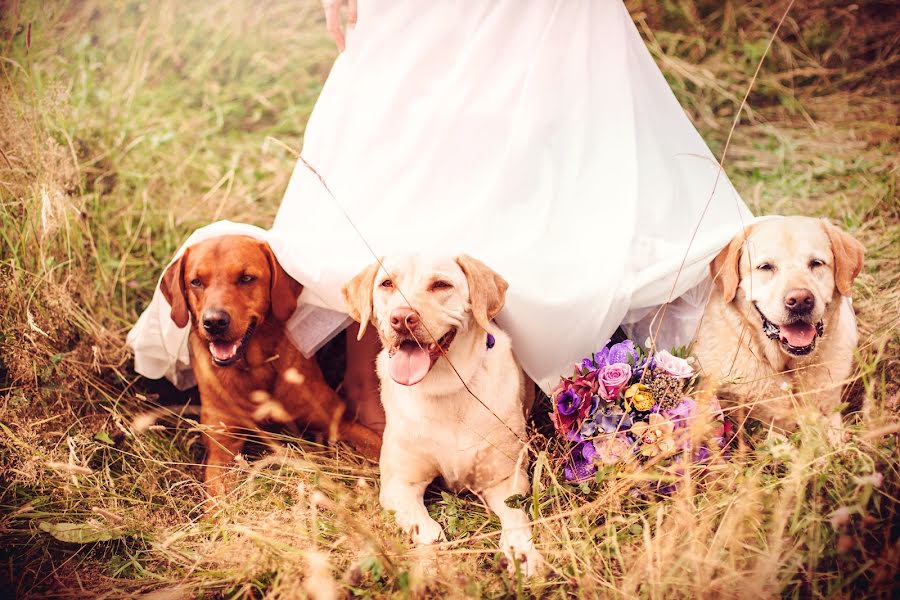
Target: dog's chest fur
x=439, y=427
x=258, y=369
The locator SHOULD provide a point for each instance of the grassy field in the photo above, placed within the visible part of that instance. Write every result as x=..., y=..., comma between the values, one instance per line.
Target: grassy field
x=124, y=125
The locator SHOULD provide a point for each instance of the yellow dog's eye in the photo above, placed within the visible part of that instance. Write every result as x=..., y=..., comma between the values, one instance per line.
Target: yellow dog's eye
x=440, y=285
x=387, y=284
x=816, y=263
x=766, y=267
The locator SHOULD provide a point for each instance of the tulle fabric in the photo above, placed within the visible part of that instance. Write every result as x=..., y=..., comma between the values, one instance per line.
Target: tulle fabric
x=538, y=137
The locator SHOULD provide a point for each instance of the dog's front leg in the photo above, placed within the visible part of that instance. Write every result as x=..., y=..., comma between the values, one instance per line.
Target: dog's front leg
x=223, y=442
x=515, y=537
x=405, y=500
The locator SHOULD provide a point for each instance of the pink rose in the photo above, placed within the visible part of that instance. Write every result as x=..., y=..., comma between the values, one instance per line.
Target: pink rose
x=674, y=366
x=612, y=379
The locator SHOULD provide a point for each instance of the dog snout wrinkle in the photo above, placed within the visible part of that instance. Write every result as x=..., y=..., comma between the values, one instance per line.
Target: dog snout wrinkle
x=216, y=321
x=404, y=319
x=799, y=301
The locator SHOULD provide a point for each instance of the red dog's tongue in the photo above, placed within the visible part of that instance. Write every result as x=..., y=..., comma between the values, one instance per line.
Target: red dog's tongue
x=409, y=365
x=798, y=335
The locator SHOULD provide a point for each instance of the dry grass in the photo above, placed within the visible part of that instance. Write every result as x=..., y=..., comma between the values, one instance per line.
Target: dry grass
x=125, y=125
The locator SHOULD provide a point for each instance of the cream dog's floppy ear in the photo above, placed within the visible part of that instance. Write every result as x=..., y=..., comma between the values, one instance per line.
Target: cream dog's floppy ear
x=283, y=289
x=848, y=257
x=172, y=287
x=358, y=297
x=487, y=290
x=725, y=268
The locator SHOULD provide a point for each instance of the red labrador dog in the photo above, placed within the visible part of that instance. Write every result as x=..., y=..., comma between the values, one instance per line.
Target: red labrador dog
x=237, y=298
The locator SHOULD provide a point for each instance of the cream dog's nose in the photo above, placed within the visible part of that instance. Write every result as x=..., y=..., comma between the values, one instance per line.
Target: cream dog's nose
x=800, y=301
x=404, y=319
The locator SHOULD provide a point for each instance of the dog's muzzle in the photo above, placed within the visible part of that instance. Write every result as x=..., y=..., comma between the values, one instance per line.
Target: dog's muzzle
x=797, y=337
x=225, y=353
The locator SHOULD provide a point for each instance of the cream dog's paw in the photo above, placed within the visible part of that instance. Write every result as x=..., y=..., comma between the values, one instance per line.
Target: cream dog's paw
x=426, y=532
x=518, y=548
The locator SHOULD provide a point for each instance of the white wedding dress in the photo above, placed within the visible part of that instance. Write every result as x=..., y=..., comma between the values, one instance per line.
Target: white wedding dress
x=538, y=137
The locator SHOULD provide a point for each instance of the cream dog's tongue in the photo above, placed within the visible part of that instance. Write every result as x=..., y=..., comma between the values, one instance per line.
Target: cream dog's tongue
x=798, y=335
x=409, y=365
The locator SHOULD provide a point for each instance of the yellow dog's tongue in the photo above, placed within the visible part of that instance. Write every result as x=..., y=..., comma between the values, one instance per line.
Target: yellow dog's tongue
x=798, y=335
x=409, y=365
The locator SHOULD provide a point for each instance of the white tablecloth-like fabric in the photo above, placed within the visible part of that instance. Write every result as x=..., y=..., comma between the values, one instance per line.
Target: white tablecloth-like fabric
x=538, y=137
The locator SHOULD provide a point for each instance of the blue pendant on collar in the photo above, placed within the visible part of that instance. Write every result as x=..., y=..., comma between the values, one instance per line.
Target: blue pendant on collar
x=490, y=341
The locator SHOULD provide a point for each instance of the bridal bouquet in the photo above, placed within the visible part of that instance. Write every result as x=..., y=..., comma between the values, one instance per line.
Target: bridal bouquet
x=623, y=405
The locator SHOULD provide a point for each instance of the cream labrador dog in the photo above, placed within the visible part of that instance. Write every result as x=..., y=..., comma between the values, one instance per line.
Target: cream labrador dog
x=454, y=396
x=780, y=333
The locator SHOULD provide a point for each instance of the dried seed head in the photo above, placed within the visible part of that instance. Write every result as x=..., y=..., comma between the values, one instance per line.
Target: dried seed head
x=294, y=376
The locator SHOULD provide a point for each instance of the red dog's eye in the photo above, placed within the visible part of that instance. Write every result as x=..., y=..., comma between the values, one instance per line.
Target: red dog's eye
x=247, y=279
x=196, y=282
x=387, y=284
x=441, y=285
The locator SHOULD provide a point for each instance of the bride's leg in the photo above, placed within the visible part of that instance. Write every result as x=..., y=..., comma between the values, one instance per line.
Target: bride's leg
x=360, y=386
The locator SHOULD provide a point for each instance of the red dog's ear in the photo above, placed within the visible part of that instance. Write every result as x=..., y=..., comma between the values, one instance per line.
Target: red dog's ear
x=283, y=290
x=358, y=297
x=725, y=268
x=848, y=257
x=172, y=287
x=487, y=290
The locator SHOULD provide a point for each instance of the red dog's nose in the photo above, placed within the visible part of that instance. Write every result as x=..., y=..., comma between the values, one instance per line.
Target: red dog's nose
x=799, y=300
x=404, y=319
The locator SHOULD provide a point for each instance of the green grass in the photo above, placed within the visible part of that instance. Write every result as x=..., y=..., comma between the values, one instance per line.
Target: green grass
x=125, y=125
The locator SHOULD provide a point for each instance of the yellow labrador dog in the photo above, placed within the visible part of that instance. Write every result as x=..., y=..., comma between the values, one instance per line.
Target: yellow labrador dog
x=454, y=396
x=780, y=333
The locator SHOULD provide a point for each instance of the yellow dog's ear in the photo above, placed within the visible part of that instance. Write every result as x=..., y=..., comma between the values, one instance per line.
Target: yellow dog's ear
x=283, y=289
x=358, y=297
x=848, y=257
x=725, y=268
x=487, y=290
x=172, y=287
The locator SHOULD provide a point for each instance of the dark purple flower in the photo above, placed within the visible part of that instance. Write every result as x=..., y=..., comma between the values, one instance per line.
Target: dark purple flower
x=568, y=402
x=568, y=408
x=581, y=464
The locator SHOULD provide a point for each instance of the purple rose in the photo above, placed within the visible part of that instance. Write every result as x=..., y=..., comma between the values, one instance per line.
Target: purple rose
x=674, y=366
x=612, y=379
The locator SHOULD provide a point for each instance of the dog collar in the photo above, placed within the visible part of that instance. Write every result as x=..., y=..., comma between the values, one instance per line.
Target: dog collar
x=773, y=332
x=490, y=341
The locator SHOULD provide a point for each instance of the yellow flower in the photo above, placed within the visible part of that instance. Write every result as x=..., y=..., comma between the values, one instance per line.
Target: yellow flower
x=639, y=397
x=655, y=435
